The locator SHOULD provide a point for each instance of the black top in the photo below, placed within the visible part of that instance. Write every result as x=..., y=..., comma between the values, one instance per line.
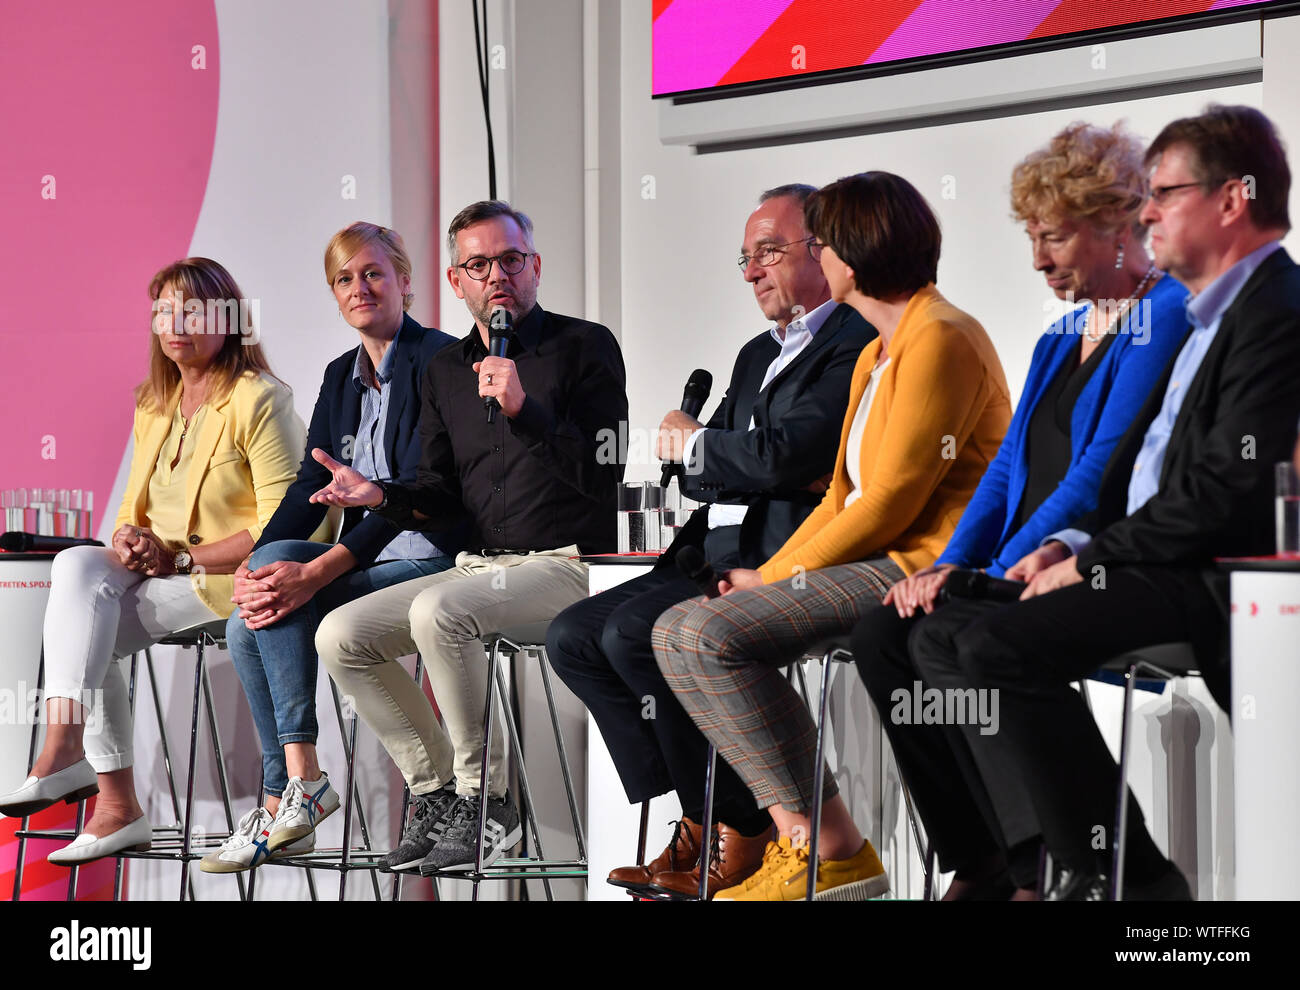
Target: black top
x=768, y=464
x=547, y=478
x=333, y=428
x=1049, y=440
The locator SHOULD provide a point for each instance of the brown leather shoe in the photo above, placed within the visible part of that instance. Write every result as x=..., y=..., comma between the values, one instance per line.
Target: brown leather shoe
x=733, y=859
x=682, y=851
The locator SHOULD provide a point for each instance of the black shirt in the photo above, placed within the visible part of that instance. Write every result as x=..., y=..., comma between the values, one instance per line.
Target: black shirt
x=1050, y=437
x=547, y=478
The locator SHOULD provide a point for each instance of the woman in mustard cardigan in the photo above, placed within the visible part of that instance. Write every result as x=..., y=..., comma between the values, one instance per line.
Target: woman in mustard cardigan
x=928, y=407
x=216, y=445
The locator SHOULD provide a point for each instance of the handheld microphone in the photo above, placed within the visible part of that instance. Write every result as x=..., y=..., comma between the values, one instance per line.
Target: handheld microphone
x=693, y=565
x=978, y=585
x=500, y=330
x=15, y=542
x=696, y=393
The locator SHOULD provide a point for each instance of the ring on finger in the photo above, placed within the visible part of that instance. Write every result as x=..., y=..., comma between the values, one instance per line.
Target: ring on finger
x=489, y=379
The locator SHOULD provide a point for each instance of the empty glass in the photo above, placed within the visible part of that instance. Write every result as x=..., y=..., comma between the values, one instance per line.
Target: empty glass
x=49, y=512
x=672, y=519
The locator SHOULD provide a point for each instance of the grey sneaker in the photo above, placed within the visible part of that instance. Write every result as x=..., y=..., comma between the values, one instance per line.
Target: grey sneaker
x=454, y=850
x=427, y=821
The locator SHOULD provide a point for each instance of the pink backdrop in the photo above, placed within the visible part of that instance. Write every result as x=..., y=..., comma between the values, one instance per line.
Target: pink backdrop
x=105, y=101
x=104, y=98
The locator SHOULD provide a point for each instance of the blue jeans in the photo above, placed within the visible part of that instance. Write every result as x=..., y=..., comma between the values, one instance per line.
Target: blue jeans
x=277, y=665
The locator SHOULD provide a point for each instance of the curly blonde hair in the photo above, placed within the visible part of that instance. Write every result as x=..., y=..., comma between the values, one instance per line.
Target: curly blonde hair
x=1086, y=173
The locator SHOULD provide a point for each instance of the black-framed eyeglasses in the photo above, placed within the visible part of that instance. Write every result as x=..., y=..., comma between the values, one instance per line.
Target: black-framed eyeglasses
x=1160, y=194
x=511, y=262
x=770, y=254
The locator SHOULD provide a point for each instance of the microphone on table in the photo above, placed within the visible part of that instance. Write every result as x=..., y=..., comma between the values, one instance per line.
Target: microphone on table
x=15, y=542
x=696, y=393
x=500, y=330
x=693, y=565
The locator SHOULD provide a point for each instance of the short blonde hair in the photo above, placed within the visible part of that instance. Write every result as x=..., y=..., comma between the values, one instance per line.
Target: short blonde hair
x=355, y=236
x=1086, y=173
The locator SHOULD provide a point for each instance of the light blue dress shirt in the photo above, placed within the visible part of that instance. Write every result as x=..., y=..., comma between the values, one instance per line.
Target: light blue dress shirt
x=368, y=454
x=1205, y=313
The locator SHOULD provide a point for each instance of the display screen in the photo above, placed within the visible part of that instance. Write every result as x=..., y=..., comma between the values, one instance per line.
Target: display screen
x=704, y=44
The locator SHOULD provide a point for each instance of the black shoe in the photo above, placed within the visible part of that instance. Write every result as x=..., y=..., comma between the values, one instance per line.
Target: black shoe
x=427, y=823
x=1077, y=885
x=455, y=848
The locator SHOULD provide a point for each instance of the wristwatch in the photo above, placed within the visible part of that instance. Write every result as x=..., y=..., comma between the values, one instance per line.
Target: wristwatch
x=182, y=562
x=383, y=497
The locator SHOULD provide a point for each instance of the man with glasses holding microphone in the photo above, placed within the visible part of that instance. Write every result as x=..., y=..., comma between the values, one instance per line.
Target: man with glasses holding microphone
x=530, y=486
x=759, y=463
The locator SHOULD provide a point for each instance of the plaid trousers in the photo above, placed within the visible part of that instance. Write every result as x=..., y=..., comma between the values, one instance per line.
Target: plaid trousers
x=722, y=658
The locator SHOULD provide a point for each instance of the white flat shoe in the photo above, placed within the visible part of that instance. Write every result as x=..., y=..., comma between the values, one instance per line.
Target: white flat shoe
x=136, y=836
x=37, y=793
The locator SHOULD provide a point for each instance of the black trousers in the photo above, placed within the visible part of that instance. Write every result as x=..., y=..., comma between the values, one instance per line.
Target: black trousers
x=601, y=649
x=1047, y=741
x=964, y=819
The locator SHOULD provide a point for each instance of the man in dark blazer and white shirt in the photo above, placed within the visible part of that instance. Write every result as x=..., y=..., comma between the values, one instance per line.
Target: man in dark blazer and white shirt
x=759, y=463
x=1191, y=481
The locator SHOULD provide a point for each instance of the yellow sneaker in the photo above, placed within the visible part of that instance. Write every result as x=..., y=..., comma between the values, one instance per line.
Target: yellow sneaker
x=784, y=876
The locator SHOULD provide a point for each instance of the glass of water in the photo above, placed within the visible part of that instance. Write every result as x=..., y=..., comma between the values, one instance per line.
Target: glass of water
x=631, y=520
x=653, y=506
x=1288, y=510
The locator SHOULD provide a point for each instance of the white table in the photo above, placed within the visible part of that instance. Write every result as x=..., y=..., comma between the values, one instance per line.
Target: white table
x=24, y=590
x=612, y=823
x=1266, y=727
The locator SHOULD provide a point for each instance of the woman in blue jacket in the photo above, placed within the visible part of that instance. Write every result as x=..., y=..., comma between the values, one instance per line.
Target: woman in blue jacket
x=1079, y=199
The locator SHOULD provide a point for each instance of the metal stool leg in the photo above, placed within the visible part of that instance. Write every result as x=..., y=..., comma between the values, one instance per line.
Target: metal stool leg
x=261, y=801
x=166, y=749
x=72, y=873
x=406, y=790
x=189, y=783
x=1119, y=842
x=922, y=844
x=525, y=792
x=706, y=826
x=544, y=662
x=120, y=868
x=493, y=664
x=350, y=754
x=350, y=741
x=641, y=833
x=819, y=779
x=220, y=757
x=162, y=733
x=31, y=762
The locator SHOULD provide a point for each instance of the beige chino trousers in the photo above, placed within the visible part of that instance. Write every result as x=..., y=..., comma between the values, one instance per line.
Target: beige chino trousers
x=445, y=617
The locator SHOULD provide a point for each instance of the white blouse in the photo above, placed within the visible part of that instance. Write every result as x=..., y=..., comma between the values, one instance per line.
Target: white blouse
x=853, y=453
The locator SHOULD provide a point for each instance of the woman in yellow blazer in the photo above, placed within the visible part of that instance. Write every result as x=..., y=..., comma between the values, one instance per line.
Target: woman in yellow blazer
x=216, y=445
x=928, y=407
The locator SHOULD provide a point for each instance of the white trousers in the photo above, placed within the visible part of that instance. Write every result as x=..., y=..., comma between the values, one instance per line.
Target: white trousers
x=98, y=613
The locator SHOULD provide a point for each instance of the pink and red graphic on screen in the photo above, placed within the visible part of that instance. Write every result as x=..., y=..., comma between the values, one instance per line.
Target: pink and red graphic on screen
x=699, y=44
x=102, y=107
